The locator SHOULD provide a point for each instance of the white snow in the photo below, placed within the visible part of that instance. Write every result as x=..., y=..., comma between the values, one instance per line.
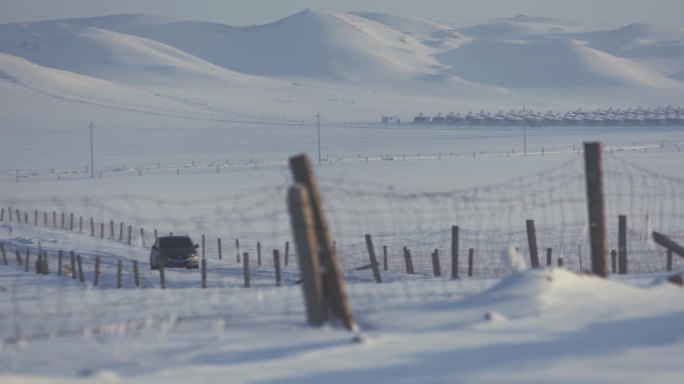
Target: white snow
x=194, y=125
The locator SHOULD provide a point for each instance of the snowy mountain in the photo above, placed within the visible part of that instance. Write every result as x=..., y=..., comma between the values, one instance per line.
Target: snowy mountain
x=317, y=58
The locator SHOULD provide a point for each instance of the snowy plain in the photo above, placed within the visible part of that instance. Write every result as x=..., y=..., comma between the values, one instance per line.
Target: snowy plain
x=188, y=132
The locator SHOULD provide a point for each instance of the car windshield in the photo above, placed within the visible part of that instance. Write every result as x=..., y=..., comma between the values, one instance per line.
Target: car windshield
x=175, y=242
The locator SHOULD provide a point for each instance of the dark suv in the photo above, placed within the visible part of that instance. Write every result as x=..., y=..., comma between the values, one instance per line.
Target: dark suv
x=174, y=251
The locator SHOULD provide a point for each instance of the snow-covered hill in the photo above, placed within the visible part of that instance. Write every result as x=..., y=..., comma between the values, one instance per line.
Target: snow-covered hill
x=360, y=64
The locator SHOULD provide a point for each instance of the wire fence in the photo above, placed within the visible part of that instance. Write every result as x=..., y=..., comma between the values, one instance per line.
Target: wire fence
x=491, y=221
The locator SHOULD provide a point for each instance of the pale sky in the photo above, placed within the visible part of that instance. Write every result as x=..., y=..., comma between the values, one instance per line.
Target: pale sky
x=248, y=12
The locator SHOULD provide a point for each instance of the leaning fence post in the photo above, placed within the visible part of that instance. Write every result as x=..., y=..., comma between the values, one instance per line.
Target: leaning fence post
x=304, y=236
x=18, y=254
x=532, y=244
x=373, y=259
x=595, y=204
x=436, y=269
x=276, y=262
x=622, y=244
x=96, y=278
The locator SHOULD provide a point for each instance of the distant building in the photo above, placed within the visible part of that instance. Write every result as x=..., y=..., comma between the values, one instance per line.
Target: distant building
x=421, y=118
x=391, y=120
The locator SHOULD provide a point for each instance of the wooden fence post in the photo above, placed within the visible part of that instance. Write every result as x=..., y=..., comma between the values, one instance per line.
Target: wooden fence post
x=595, y=204
x=96, y=278
x=334, y=294
x=60, y=256
x=549, y=257
x=408, y=261
x=162, y=277
x=203, y=266
x=245, y=269
x=471, y=257
x=28, y=259
x=35, y=217
x=287, y=253
x=560, y=262
x=119, y=270
x=80, y=268
x=276, y=262
x=4, y=256
x=80, y=224
x=2, y=214
x=622, y=244
x=373, y=259
x=18, y=254
x=111, y=229
x=73, y=264
x=532, y=244
x=136, y=274
x=46, y=264
x=39, y=263
x=303, y=233
x=18, y=217
x=436, y=269
x=384, y=257
x=142, y=237
x=454, y=251
x=237, y=248
x=92, y=227
x=62, y=221
x=130, y=229
x=101, y=230
x=45, y=218
x=218, y=244
x=71, y=222
x=613, y=261
x=258, y=253
x=9, y=210
x=156, y=236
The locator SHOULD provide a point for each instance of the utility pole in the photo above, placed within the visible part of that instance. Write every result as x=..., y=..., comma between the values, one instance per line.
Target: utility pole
x=92, y=157
x=524, y=131
x=318, y=124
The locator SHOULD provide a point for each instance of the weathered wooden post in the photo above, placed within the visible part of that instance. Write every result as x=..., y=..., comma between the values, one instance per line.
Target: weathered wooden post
x=45, y=219
x=668, y=266
x=245, y=269
x=18, y=216
x=92, y=227
x=218, y=244
x=2, y=214
x=471, y=257
x=373, y=259
x=119, y=272
x=560, y=262
x=549, y=257
x=532, y=244
x=18, y=255
x=436, y=268
x=613, y=261
x=142, y=237
x=622, y=244
x=96, y=278
x=130, y=229
x=35, y=217
x=454, y=251
x=60, y=256
x=4, y=256
x=73, y=264
x=287, y=253
x=595, y=204
x=203, y=251
x=39, y=263
x=71, y=221
x=80, y=224
x=237, y=250
x=162, y=277
x=80, y=268
x=384, y=257
x=101, y=230
x=136, y=274
x=203, y=267
x=28, y=259
x=278, y=273
x=258, y=253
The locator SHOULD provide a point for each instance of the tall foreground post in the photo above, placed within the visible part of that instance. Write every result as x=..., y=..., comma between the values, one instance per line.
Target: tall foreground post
x=597, y=219
x=335, y=302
